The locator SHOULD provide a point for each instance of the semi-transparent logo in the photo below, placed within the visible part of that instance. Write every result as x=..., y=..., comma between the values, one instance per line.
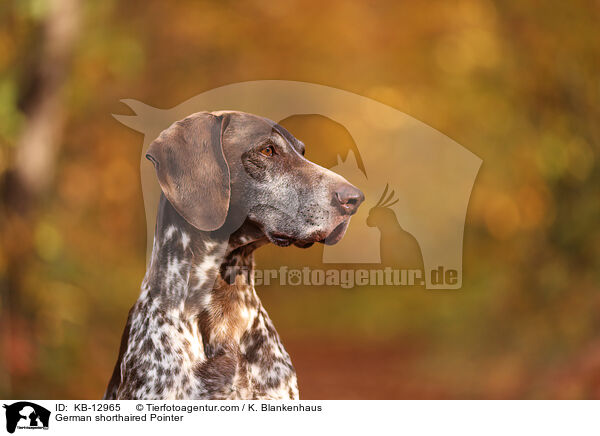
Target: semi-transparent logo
x=417, y=181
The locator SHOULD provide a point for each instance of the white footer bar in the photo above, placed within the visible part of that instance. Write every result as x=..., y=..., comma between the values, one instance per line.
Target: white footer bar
x=321, y=417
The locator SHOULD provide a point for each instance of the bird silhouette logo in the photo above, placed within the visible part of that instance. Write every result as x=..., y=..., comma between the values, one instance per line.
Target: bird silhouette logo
x=397, y=246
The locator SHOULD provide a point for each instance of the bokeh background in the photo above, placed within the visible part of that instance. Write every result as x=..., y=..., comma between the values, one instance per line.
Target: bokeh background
x=517, y=83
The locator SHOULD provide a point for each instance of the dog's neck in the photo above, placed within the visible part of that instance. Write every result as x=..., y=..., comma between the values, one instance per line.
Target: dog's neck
x=198, y=329
x=187, y=264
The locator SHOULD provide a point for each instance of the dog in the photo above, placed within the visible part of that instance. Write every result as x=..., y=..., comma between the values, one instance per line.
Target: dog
x=231, y=182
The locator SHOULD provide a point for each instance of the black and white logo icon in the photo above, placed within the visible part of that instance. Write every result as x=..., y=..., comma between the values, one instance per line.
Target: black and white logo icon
x=26, y=415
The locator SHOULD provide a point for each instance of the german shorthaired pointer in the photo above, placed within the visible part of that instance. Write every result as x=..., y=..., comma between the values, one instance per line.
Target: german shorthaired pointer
x=231, y=182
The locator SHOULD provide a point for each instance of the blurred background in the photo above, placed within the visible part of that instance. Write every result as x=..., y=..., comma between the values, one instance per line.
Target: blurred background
x=517, y=83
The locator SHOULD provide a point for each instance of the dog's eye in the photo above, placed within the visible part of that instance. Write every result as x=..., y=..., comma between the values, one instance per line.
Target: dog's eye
x=268, y=151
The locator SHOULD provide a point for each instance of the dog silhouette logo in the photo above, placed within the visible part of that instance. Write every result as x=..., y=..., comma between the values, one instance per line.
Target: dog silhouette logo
x=26, y=415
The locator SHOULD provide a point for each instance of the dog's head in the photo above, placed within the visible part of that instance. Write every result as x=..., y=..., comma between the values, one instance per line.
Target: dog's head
x=221, y=169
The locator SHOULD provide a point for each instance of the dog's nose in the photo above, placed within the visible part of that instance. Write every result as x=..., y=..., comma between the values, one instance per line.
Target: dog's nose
x=349, y=198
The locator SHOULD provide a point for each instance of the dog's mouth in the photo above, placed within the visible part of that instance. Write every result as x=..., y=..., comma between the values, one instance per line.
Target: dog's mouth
x=333, y=237
x=337, y=233
x=282, y=240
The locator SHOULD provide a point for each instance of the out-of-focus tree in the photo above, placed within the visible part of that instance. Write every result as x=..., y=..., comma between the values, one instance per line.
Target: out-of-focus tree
x=37, y=86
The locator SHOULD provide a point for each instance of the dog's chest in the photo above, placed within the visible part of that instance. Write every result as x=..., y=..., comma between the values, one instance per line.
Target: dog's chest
x=230, y=351
x=161, y=352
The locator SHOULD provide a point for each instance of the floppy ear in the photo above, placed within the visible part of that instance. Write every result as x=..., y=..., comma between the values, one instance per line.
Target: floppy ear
x=192, y=170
